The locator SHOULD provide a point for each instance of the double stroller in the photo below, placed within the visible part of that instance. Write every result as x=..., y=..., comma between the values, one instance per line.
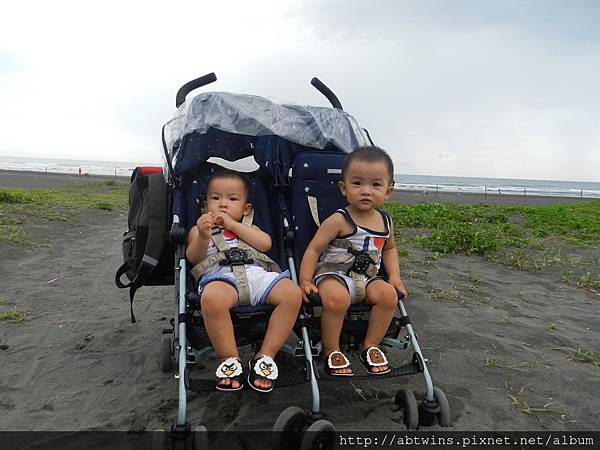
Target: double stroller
x=299, y=151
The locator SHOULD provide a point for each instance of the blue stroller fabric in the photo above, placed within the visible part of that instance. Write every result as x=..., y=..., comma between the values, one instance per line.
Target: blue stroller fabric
x=314, y=175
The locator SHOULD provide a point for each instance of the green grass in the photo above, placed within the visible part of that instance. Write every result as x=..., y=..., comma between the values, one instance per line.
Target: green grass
x=587, y=357
x=520, y=404
x=488, y=229
x=59, y=204
x=13, y=315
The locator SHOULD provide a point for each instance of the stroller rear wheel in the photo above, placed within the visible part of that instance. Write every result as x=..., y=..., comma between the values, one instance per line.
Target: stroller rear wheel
x=438, y=409
x=406, y=400
x=287, y=430
x=444, y=416
x=196, y=439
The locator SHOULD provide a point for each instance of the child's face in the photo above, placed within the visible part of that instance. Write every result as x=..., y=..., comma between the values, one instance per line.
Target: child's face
x=228, y=195
x=366, y=185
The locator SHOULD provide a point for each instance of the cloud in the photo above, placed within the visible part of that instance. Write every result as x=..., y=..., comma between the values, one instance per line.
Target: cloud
x=462, y=88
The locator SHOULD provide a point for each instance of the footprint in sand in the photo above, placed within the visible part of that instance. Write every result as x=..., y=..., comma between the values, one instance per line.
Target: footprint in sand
x=6, y=403
x=86, y=340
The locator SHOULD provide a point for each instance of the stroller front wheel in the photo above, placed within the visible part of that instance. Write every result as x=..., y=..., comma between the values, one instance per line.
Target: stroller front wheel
x=287, y=430
x=320, y=435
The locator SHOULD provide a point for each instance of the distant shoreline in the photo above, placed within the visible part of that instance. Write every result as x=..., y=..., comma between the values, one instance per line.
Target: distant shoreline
x=42, y=180
x=411, y=197
x=39, y=180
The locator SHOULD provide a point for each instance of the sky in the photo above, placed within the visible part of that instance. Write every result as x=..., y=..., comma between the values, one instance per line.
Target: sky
x=503, y=89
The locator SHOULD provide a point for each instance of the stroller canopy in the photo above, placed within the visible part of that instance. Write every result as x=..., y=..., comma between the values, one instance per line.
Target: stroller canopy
x=235, y=126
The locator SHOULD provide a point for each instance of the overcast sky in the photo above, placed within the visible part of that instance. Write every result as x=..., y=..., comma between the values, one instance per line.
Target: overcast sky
x=467, y=88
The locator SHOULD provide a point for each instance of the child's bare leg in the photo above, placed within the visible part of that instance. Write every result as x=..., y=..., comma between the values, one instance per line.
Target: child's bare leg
x=286, y=297
x=336, y=301
x=382, y=296
x=218, y=297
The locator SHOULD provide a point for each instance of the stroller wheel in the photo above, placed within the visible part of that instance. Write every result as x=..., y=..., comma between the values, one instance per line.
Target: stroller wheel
x=320, y=435
x=199, y=438
x=406, y=400
x=444, y=416
x=287, y=430
x=166, y=345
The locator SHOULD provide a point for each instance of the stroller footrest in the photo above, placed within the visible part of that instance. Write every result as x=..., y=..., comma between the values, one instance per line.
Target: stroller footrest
x=407, y=369
x=198, y=384
x=284, y=379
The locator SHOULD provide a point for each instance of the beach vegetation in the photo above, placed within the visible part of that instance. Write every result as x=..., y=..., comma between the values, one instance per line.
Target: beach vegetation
x=553, y=325
x=491, y=362
x=12, y=196
x=587, y=357
x=484, y=229
x=13, y=315
x=509, y=317
x=449, y=293
x=57, y=204
x=519, y=403
x=11, y=230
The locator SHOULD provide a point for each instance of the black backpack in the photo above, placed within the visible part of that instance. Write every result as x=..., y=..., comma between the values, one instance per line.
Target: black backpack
x=148, y=256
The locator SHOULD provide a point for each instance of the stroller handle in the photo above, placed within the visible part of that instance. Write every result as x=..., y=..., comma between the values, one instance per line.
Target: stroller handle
x=326, y=92
x=191, y=85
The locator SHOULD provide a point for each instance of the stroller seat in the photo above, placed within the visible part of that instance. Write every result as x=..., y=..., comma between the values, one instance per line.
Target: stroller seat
x=300, y=152
x=249, y=322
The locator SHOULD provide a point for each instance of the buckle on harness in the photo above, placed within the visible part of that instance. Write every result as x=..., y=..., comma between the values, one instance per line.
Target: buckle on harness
x=361, y=263
x=235, y=257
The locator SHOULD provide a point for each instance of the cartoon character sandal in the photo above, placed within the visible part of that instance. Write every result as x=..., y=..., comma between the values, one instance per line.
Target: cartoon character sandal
x=335, y=361
x=374, y=357
x=230, y=369
x=263, y=367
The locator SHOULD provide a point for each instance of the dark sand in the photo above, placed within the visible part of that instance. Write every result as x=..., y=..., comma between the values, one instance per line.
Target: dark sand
x=79, y=364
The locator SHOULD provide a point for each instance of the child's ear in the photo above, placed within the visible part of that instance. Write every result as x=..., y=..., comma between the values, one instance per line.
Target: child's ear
x=342, y=187
x=247, y=208
x=389, y=191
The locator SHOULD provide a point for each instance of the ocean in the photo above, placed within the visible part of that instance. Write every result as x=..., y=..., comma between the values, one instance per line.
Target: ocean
x=426, y=183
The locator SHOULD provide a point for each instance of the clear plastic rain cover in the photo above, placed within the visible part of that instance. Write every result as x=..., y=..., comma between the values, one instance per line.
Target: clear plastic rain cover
x=251, y=115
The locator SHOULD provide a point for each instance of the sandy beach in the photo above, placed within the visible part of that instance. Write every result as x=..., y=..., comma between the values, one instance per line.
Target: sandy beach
x=500, y=342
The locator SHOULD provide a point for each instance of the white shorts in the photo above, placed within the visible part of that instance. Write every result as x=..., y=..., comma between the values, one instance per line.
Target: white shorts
x=260, y=282
x=345, y=279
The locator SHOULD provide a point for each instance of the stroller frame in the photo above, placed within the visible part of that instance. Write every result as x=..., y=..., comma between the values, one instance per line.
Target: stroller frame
x=175, y=343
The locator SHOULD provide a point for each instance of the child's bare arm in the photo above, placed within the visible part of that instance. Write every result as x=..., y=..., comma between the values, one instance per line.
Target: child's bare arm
x=389, y=258
x=198, y=238
x=252, y=235
x=328, y=231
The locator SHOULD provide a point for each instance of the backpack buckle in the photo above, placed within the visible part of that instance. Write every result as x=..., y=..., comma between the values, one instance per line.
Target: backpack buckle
x=235, y=257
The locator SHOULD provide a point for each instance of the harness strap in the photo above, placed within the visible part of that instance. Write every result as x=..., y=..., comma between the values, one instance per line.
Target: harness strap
x=314, y=209
x=345, y=262
x=238, y=269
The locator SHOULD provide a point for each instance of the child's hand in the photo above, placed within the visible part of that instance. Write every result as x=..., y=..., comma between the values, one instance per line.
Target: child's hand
x=307, y=288
x=224, y=220
x=205, y=223
x=399, y=286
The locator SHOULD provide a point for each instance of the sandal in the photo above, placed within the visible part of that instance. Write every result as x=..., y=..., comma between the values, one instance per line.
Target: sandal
x=374, y=357
x=337, y=360
x=265, y=368
x=230, y=369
